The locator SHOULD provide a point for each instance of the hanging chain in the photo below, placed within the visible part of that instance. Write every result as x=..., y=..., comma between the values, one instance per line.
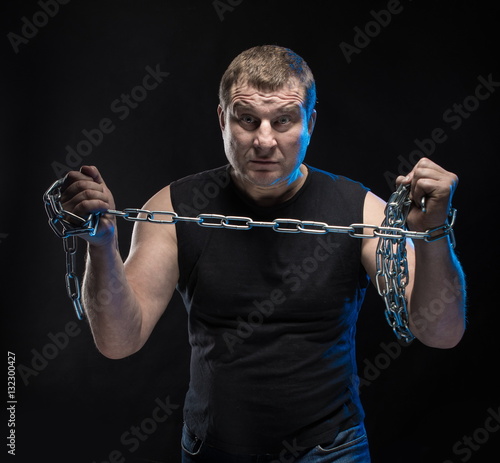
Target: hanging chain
x=392, y=265
x=72, y=281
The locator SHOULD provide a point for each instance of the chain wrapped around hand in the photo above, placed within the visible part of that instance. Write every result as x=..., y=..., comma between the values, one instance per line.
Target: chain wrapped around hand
x=392, y=266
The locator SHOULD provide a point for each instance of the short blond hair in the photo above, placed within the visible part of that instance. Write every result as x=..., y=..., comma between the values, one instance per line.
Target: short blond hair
x=268, y=68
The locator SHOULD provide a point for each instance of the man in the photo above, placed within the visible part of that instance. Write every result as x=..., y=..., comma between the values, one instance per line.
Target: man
x=271, y=315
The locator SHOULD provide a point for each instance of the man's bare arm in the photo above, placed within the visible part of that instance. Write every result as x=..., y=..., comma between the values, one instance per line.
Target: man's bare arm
x=123, y=301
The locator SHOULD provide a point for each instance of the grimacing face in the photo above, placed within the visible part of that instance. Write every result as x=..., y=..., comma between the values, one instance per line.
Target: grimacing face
x=266, y=135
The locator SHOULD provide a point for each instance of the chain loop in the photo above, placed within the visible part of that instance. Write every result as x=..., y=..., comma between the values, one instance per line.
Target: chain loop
x=317, y=228
x=391, y=263
x=228, y=222
x=70, y=246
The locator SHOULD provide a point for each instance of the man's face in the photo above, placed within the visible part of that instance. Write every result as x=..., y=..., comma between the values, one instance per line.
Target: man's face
x=266, y=135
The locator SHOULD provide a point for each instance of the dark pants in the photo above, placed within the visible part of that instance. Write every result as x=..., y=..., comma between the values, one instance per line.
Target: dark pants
x=350, y=446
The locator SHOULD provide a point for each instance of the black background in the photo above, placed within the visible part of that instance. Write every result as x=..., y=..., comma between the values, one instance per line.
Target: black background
x=79, y=406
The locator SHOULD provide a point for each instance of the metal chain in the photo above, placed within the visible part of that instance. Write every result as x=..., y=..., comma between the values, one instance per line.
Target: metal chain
x=392, y=266
x=391, y=263
x=72, y=280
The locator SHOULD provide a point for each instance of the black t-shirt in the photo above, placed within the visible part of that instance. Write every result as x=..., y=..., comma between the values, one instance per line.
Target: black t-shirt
x=271, y=315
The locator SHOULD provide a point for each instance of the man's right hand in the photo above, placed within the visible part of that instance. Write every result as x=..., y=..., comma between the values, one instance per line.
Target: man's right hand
x=84, y=192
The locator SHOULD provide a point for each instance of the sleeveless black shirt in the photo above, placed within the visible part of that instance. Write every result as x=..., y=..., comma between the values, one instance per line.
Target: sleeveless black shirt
x=271, y=315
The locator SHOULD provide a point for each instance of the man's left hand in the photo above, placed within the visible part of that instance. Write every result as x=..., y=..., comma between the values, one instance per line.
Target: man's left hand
x=430, y=181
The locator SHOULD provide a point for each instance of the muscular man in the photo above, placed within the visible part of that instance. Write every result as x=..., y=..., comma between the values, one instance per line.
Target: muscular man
x=271, y=315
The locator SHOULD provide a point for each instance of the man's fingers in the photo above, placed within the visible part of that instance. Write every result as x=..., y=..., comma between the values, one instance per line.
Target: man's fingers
x=422, y=188
x=402, y=179
x=71, y=192
x=90, y=206
x=72, y=177
x=93, y=173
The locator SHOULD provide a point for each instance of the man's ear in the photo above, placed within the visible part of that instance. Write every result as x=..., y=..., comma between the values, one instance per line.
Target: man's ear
x=222, y=117
x=312, y=121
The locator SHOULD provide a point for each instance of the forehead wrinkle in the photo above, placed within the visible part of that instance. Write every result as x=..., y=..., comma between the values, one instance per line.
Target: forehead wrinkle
x=250, y=95
x=269, y=102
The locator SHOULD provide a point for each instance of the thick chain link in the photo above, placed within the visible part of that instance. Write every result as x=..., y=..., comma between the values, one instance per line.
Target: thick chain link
x=72, y=280
x=392, y=266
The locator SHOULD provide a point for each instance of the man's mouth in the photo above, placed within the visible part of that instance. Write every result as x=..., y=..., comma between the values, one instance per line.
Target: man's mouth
x=263, y=161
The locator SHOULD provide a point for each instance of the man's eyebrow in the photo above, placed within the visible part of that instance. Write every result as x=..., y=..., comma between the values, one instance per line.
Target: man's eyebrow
x=288, y=107
x=242, y=106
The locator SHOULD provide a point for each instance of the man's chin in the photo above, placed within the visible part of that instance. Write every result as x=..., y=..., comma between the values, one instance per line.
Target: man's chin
x=263, y=179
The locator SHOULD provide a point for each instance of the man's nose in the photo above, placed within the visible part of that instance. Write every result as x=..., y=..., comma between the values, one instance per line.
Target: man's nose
x=265, y=136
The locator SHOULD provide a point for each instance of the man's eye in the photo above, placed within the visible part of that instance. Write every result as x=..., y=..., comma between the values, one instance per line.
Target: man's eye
x=284, y=120
x=247, y=119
